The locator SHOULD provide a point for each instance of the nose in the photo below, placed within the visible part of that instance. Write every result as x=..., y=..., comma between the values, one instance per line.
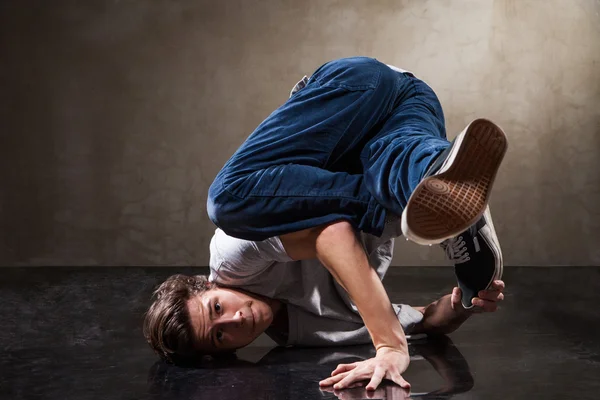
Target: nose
x=236, y=319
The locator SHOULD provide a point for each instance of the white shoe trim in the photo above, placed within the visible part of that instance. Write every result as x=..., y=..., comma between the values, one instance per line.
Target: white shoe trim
x=447, y=163
x=454, y=151
x=492, y=240
x=488, y=233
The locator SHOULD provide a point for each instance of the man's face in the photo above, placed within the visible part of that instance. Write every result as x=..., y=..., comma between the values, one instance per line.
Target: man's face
x=226, y=319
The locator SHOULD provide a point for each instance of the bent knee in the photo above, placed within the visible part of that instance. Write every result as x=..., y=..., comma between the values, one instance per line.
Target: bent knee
x=235, y=216
x=221, y=208
x=213, y=208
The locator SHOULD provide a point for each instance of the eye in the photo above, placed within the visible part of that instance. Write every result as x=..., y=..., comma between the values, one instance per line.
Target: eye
x=219, y=335
x=218, y=307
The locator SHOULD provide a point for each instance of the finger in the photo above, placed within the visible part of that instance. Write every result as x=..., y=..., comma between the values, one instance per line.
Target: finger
x=488, y=293
x=333, y=379
x=485, y=305
x=356, y=384
x=378, y=375
x=349, y=379
x=398, y=379
x=345, y=391
x=343, y=368
x=498, y=284
x=492, y=295
x=456, y=297
x=403, y=383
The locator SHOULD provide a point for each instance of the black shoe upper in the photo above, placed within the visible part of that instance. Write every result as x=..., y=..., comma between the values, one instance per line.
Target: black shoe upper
x=477, y=258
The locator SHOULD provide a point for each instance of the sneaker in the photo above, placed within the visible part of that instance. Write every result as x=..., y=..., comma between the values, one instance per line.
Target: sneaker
x=477, y=258
x=456, y=188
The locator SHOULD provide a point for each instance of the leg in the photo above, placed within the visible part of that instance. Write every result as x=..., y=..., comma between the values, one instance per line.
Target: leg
x=280, y=180
x=410, y=159
x=411, y=169
x=396, y=159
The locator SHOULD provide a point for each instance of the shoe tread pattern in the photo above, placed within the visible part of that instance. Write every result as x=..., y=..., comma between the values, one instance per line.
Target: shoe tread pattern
x=446, y=204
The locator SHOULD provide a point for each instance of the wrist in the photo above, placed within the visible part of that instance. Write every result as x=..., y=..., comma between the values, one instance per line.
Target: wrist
x=384, y=348
x=460, y=312
x=443, y=316
x=463, y=314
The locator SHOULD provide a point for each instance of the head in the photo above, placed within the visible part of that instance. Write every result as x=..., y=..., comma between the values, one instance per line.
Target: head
x=191, y=317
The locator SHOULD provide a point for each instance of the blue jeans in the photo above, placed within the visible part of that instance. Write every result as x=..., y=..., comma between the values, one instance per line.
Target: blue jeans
x=352, y=145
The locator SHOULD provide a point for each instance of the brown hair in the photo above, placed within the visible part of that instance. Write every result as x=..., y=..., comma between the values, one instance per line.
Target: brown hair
x=167, y=325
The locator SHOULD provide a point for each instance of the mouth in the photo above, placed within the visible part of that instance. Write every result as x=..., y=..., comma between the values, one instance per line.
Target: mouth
x=253, y=319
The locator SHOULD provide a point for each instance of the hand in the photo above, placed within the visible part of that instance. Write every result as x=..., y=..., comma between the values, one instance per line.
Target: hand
x=486, y=300
x=388, y=363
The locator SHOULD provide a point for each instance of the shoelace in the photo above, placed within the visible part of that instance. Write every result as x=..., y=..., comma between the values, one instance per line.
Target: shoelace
x=456, y=250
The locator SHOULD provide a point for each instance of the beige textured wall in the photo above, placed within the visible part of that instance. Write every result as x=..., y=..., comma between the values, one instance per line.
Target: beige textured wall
x=116, y=115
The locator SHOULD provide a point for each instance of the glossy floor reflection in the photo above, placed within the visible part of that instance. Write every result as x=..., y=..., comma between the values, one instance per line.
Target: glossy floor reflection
x=292, y=373
x=75, y=333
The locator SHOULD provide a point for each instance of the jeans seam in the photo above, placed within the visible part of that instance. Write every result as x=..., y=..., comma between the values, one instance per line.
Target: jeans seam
x=234, y=195
x=348, y=88
x=328, y=196
x=352, y=88
x=263, y=194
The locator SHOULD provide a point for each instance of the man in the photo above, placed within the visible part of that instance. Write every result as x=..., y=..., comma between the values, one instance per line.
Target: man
x=358, y=151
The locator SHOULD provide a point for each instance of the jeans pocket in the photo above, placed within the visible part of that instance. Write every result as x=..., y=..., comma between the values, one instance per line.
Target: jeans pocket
x=352, y=74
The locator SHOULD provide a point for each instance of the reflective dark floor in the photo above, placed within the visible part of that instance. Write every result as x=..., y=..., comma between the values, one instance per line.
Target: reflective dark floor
x=75, y=333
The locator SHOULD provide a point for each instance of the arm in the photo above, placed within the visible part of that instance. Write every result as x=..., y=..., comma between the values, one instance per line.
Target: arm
x=447, y=314
x=339, y=250
x=440, y=317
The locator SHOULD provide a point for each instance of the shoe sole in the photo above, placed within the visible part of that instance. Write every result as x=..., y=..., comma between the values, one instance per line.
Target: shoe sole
x=446, y=204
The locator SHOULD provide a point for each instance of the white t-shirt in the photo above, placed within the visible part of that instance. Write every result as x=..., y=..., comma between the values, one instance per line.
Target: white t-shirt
x=320, y=312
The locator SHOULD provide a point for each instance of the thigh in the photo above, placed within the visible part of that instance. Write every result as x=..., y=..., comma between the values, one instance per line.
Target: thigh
x=396, y=158
x=289, y=198
x=339, y=107
x=280, y=180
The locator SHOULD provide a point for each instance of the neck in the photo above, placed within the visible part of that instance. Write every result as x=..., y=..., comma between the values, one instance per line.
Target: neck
x=276, y=306
x=278, y=330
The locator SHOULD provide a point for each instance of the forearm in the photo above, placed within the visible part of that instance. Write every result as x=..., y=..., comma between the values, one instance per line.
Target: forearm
x=339, y=250
x=440, y=318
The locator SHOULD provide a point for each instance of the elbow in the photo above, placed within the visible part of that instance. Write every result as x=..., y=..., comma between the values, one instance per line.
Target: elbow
x=334, y=233
x=337, y=248
x=312, y=242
